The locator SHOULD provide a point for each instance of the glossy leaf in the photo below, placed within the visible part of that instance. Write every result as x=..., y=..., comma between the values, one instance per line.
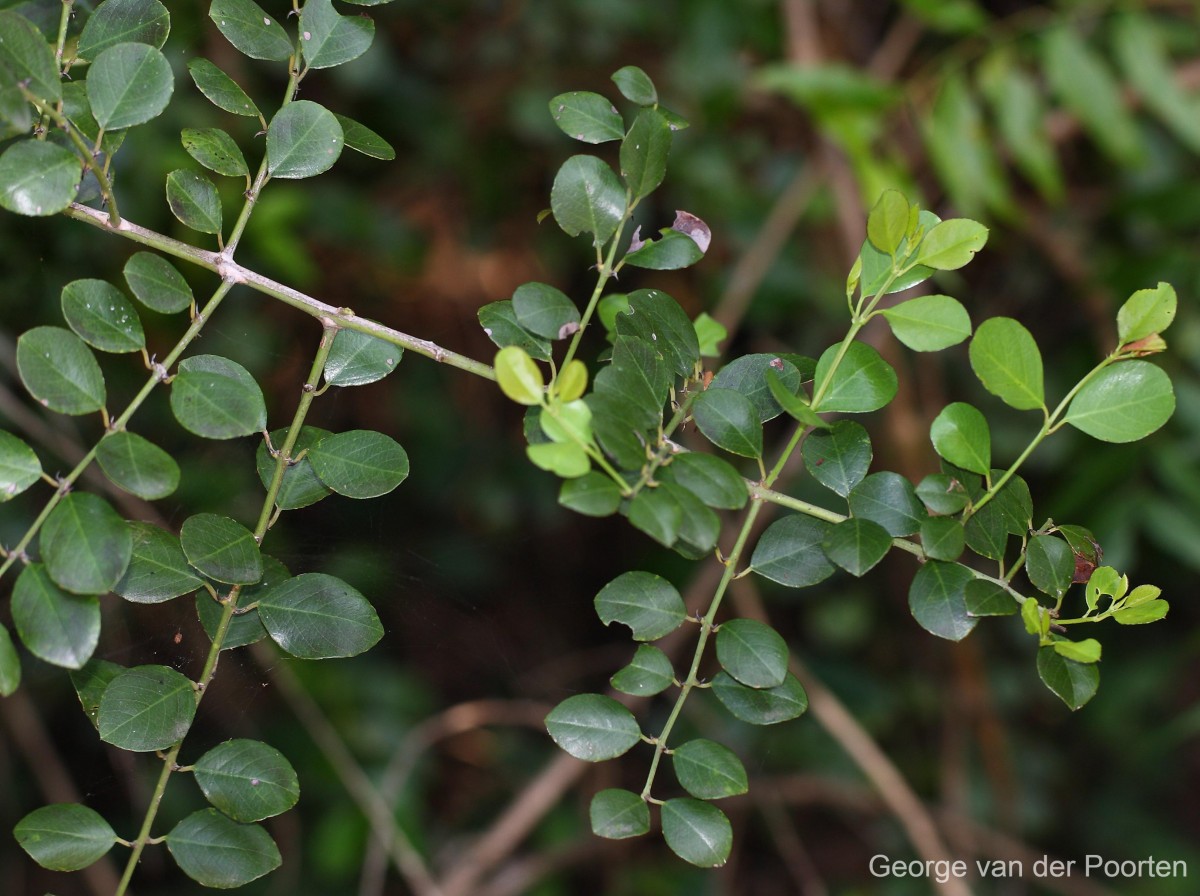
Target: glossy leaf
x=10, y=664
x=220, y=89
x=648, y=604
x=362, y=139
x=887, y=224
x=328, y=39
x=359, y=463
x=709, y=771
x=1050, y=564
x=65, y=836
x=545, y=311
x=221, y=548
x=586, y=197
x=862, y=382
x=952, y=244
x=790, y=552
x=158, y=569
x=960, y=435
x=217, y=398
x=1146, y=312
x=137, y=465
x=617, y=814
x=60, y=628
x=25, y=57
x=304, y=139
x=644, y=153
x=85, y=544
x=251, y=30
x=356, y=359
x=937, y=600
x=1074, y=683
x=216, y=851
x=157, y=284
x=60, y=371
x=300, y=486
x=943, y=494
x=129, y=84
x=194, y=201
x=638, y=379
x=121, y=21
x=1006, y=359
x=856, y=545
x=499, y=322
x=648, y=673
x=929, y=323
x=215, y=150
x=711, y=479
x=593, y=727
x=587, y=116
x=748, y=375
x=593, y=494
x=839, y=457
x=38, y=178
x=19, y=466
x=147, y=708
x=729, y=421
x=518, y=376
x=247, y=780
x=1123, y=403
x=635, y=85
x=794, y=404
x=761, y=706
x=672, y=251
x=315, y=616
x=942, y=538
x=889, y=500
x=697, y=832
x=101, y=315
x=699, y=527
x=986, y=598
x=753, y=653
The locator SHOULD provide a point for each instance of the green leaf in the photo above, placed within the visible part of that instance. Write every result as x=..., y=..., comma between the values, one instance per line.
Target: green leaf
x=761, y=706
x=362, y=139
x=943, y=494
x=215, y=150
x=60, y=371
x=790, y=552
x=147, y=708
x=839, y=457
x=38, y=178
x=644, y=153
x=699, y=527
x=728, y=420
x=316, y=616
x=1086, y=651
x=247, y=780
x=748, y=375
x=937, y=600
x=710, y=333
x=356, y=359
x=638, y=379
x=752, y=652
x=929, y=323
x=217, y=852
x=564, y=459
x=303, y=140
x=222, y=91
x=10, y=664
x=499, y=322
x=587, y=116
x=860, y=383
x=157, y=284
x=1006, y=359
x=1074, y=683
x=137, y=465
x=593, y=494
x=328, y=39
x=648, y=604
x=1151, y=611
x=86, y=544
x=1019, y=109
x=593, y=727
x=942, y=538
x=19, y=466
x=518, y=376
x=221, y=548
x=301, y=486
x=1123, y=403
x=26, y=58
x=709, y=771
x=122, y=21
x=672, y=251
x=194, y=200
x=1050, y=564
x=697, y=832
x=101, y=315
x=986, y=598
x=795, y=405
x=887, y=224
x=90, y=682
x=359, y=463
x=711, y=479
x=545, y=311
x=1146, y=312
x=217, y=398
x=60, y=628
x=129, y=84
x=586, y=197
x=952, y=244
x=648, y=673
x=960, y=435
x=251, y=30
x=246, y=627
x=856, y=545
x=889, y=500
x=617, y=814
x=158, y=569
x=65, y=836
x=635, y=85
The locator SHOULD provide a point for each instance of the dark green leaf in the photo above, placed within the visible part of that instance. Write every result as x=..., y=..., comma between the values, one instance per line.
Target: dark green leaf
x=158, y=569
x=890, y=500
x=648, y=604
x=217, y=852
x=617, y=814
x=709, y=771
x=221, y=548
x=301, y=486
x=728, y=420
x=753, y=653
x=303, y=140
x=986, y=534
x=356, y=359
x=942, y=538
x=856, y=545
x=545, y=311
x=65, y=836
x=860, y=383
x=697, y=832
x=25, y=57
x=10, y=664
x=90, y=682
x=794, y=404
x=593, y=727
x=129, y=84
x=137, y=465
x=217, y=398
x=593, y=494
x=19, y=466
x=60, y=371
x=654, y=317
x=194, y=201
x=244, y=628
x=147, y=708
x=644, y=154
x=359, y=463
x=712, y=480
x=1074, y=683
x=86, y=544
x=38, y=178
x=1013, y=504
x=328, y=39
x=362, y=139
x=699, y=527
x=937, y=601
x=1006, y=359
x=987, y=598
x=960, y=435
x=929, y=323
x=587, y=116
x=316, y=616
x=943, y=494
x=215, y=150
x=638, y=379
x=252, y=31
x=635, y=85
x=587, y=198
x=1050, y=564
x=247, y=780
x=101, y=315
x=157, y=284
x=222, y=91
x=120, y=21
x=1123, y=403
x=790, y=552
x=748, y=375
x=761, y=706
x=57, y=627
x=648, y=673
x=499, y=322
x=839, y=457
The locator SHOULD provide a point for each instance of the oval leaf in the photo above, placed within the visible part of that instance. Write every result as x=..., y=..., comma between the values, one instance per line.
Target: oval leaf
x=761, y=706
x=545, y=311
x=222, y=91
x=617, y=814
x=951, y=244
x=147, y=708
x=1006, y=359
x=316, y=616
x=753, y=653
x=1074, y=683
x=38, y=178
x=518, y=376
x=300, y=486
x=889, y=500
x=729, y=421
x=328, y=39
x=790, y=552
x=709, y=771
x=644, y=158
x=593, y=727
x=648, y=604
x=251, y=30
x=158, y=569
x=635, y=85
x=929, y=323
x=356, y=359
x=157, y=284
x=10, y=664
x=937, y=601
x=1146, y=312
x=856, y=545
x=194, y=201
x=359, y=463
x=960, y=435
x=217, y=398
x=19, y=466
x=587, y=116
x=861, y=382
x=217, y=852
x=587, y=198
x=697, y=832
x=648, y=673
x=121, y=21
x=86, y=544
x=1050, y=563
x=215, y=150
x=221, y=548
x=65, y=836
x=1123, y=403
x=60, y=628
x=247, y=780
x=129, y=84
x=101, y=315
x=303, y=140
x=137, y=465
x=361, y=138
x=25, y=56
x=60, y=371
x=839, y=457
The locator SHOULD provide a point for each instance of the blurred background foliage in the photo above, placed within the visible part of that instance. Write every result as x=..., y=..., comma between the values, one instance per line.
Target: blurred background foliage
x=1071, y=128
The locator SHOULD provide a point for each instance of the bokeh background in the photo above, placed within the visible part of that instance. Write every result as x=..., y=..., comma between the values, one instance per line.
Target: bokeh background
x=800, y=111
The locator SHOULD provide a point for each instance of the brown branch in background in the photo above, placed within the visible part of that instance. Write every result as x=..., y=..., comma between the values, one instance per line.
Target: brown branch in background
x=790, y=847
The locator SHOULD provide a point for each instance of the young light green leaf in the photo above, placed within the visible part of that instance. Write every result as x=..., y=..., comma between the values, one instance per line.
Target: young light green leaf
x=860, y=383
x=101, y=315
x=648, y=604
x=157, y=284
x=499, y=322
x=19, y=466
x=26, y=58
x=221, y=548
x=216, y=851
x=10, y=664
x=697, y=832
x=1140, y=614
x=60, y=371
x=587, y=116
x=790, y=552
x=328, y=39
x=158, y=569
x=617, y=814
x=1086, y=651
x=937, y=601
x=85, y=544
x=565, y=459
x=1123, y=403
x=929, y=323
x=359, y=463
x=129, y=84
x=518, y=376
x=315, y=616
x=761, y=706
x=215, y=150
x=753, y=653
x=304, y=139
x=1050, y=564
x=251, y=30
x=839, y=457
x=593, y=727
x=1006, y=359
x=890, y=500
x=635, y=85
x=147, y=708
x=1074, y=683
x=592, y=494
x=121, y=21
x=1146, y=313
x=194, y=200
x=648, y=673
x=60, y=628
x=217, y=398
x=710, y=333
x=362, y=139
x=38, y=178
x=545, y=311
x=137, y=465
x=222, y=91
x=952, y=244
x=856, y=545
x=644, y=153
x=729, y=421
x=887, y=224
x=586, y=197
x=247, y=780
x=65, y=836
x=709, y=771
x=711, y=479
x=960, y=435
